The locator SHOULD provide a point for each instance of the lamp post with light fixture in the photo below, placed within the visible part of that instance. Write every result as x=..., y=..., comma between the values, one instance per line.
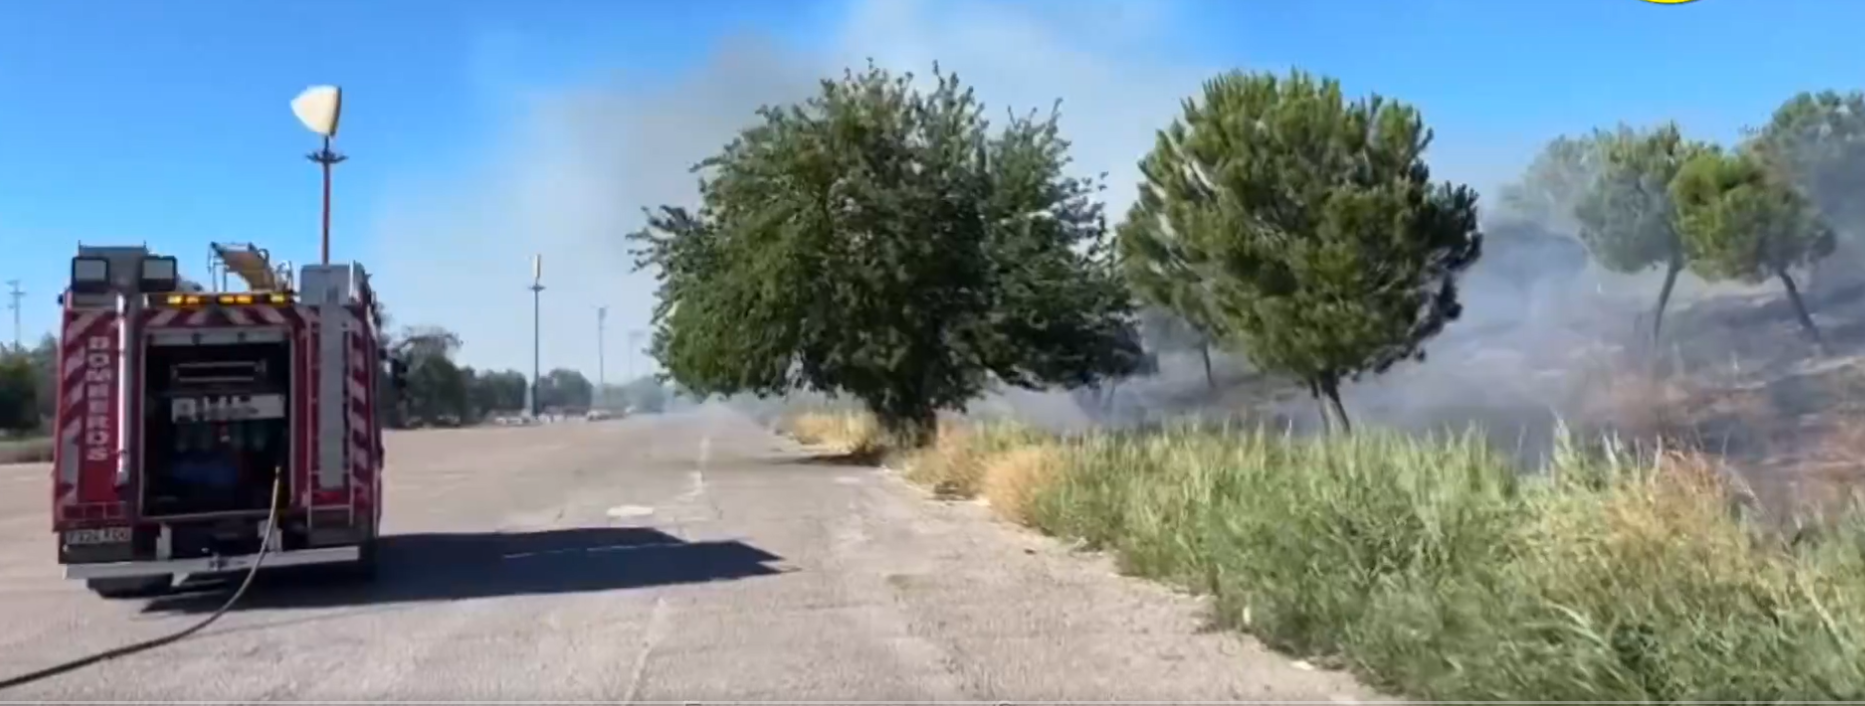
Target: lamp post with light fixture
x=318, y=108
x=537, y=332
x=602, y=358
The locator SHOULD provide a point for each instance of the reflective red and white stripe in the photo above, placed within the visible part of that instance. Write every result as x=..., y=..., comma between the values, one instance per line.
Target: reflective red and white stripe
x=360, y=400
x=359, y=388
x=85, y=460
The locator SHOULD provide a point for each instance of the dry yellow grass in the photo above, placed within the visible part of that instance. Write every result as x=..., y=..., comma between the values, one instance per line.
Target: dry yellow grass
x=958, y=463
x=1014, y=478
x=1008, y=465
x=854, y=434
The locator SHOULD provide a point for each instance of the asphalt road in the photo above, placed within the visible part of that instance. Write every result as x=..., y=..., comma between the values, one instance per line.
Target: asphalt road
x=692, y=556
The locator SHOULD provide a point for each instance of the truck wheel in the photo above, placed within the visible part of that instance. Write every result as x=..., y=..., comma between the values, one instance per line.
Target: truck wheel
x=133, y=587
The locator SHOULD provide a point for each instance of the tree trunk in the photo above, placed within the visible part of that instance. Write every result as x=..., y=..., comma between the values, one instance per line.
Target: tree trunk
x=1333, y=413
x=1664, y=298
x=1204, y=351
x=1800, y=312
x=1321, y=407
x=908, y=429
x=1341, y=425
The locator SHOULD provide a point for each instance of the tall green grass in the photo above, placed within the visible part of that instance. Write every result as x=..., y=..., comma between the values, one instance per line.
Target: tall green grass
x=1431, y=568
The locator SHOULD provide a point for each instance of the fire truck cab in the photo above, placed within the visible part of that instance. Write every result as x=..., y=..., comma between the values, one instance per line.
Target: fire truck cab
x=181, y=406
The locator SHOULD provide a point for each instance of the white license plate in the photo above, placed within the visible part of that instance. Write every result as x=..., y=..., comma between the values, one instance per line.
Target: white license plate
x=98, y=535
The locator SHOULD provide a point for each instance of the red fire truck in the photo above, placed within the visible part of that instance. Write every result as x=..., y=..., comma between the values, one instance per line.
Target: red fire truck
x=199, y=428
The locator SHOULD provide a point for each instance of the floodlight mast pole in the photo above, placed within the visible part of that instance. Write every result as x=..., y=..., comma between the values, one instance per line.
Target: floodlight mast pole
x=326, y=158
x=537, y=333
x=602, y=367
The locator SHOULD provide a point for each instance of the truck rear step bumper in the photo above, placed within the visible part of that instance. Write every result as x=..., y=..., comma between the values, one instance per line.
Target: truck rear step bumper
x=210, y=565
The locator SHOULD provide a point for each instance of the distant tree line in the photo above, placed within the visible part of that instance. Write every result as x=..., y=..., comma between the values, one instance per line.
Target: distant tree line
x=28, y=392
x=437, y=391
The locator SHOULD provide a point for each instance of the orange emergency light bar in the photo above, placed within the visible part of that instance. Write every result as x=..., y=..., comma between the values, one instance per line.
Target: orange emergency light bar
x=192, y=300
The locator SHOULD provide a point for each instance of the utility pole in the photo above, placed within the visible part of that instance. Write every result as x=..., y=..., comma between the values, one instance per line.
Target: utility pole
x=537, y=330
x=602, y=377
x=14, y=295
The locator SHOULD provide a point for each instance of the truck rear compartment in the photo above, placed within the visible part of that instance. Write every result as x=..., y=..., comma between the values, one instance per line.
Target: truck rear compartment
x=216, y=429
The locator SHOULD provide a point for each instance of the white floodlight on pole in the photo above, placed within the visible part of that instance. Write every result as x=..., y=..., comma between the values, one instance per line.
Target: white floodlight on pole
x=319, y=108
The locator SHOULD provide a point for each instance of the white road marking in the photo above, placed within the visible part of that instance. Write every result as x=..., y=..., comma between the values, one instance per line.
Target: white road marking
x=626, y=511
x=594, y=550
x=696, y=481
x=651, y=636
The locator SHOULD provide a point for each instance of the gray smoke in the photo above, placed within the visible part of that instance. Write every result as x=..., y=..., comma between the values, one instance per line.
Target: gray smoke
x=1544, y=331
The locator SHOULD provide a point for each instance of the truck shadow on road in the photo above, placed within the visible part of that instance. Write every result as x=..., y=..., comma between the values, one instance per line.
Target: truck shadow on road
x=416, y=568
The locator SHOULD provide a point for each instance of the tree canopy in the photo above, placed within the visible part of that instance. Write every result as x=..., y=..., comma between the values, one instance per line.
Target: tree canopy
x=1612, y=188
x=1816, y=141
x=1311, y=222
x=885, y=242
x=19, y=400
x=565, y=389
x=1741, y=220
x=28, y=385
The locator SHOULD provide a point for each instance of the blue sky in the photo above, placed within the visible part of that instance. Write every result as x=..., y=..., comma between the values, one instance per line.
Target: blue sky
x=482, y=131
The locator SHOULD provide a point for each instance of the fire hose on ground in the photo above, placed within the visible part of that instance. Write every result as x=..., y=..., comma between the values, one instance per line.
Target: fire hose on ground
x=271, y=527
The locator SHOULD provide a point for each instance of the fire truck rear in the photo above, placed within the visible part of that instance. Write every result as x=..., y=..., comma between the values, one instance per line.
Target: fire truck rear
x=199, y=429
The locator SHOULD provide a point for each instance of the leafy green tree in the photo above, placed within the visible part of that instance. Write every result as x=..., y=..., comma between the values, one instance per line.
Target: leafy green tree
x=1742, y=220
x=1613, y=186
x=1164, y=331
x=498, y=391
x=434, y=388
x=1817, y=142
x=1627, y=220
x=436, y=391
x=563, y=388
x=886, y=243
x=1311, y=222
x=44, y=359
x=19, y=399
x=1555, y=182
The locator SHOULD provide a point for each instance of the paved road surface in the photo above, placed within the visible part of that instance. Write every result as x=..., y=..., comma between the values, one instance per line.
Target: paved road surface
x=685, y=557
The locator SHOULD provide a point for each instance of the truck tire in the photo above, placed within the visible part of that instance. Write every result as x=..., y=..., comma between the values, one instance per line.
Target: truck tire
x=133, y=587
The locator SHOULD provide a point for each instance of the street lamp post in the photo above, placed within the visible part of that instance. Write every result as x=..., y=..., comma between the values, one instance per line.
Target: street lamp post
x=319, y=108
x=537, y=330
x=602, y=377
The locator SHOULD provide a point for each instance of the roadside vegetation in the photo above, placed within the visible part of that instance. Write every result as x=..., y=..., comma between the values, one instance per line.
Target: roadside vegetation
x=882, y=246
x=1430, y=566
